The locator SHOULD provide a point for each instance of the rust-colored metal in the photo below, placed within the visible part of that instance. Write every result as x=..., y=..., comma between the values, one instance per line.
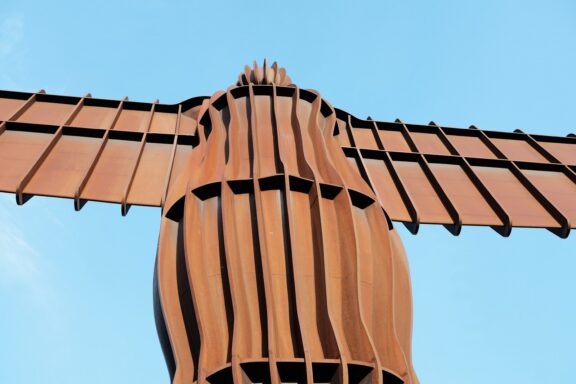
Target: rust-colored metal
x=277, y=258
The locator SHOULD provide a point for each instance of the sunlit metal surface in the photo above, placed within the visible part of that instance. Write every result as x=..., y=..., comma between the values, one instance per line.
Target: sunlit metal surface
x=277, y=259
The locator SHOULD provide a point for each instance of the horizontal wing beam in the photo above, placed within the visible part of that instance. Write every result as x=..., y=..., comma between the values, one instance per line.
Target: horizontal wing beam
x=455, y=177
x=83, y=148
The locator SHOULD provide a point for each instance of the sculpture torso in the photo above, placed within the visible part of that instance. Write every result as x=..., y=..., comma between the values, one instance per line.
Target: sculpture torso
x=279, y=266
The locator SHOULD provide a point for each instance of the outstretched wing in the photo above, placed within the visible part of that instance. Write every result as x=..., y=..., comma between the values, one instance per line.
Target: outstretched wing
x=453, y=176
x=86, y=148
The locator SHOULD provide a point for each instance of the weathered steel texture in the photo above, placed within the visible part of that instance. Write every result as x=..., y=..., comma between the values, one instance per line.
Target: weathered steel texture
x=450, y=176
x=285, y=268
x=117, y=151
x=93, y=149
x=277, y=258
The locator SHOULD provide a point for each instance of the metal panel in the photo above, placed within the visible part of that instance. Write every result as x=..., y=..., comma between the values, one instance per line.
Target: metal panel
x=19, y=150
x=447, y=178
x=180, y=163
x=93, y=116
x=519, y=150
x=110, y=178
x=9, y=106
x=343, y=138
x=60, y=146
x=132, y=120
x=558, y=188
x=472, y=207
x=43, y=112
x=564, y=152
x=523, y=208
x=429, y=206
x=364, y=138
x=386, y=189
x=62, y=171
x=392, y=137
x=471, y=146
x=147, y=187
x=187, y=125
x=429, y=143
x=164, y=122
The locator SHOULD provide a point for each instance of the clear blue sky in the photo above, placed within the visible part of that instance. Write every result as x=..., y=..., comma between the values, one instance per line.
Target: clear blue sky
x=76, y=288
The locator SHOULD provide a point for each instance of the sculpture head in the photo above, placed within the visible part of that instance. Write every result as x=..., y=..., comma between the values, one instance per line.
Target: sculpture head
x=264, y=76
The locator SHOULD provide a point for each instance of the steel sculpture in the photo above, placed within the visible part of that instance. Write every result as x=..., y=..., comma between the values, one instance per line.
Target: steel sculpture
x=277, y=258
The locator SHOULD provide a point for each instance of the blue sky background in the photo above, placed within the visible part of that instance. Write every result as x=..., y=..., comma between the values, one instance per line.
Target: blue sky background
x=76, y=288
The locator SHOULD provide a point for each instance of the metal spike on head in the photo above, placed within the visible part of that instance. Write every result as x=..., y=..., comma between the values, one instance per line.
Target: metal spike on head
x=265, y=75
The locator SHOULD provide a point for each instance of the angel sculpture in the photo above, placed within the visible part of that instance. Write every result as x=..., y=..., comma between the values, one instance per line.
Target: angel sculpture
x=278, y=260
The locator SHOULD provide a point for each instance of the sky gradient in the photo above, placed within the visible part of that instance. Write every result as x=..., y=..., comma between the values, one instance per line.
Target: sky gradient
x=76, y=288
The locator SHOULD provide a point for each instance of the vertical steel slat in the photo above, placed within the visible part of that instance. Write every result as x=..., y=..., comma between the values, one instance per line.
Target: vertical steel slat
x=172, y=157
x=375, y=375
x=296, y=286
x=271, y=334
x=349, y=131
x=291, y=267
x=280, y=167
x=319, y=225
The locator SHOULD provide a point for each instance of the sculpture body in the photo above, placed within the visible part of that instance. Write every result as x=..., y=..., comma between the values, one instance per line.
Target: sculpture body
x=281, y=267
x=277, y=259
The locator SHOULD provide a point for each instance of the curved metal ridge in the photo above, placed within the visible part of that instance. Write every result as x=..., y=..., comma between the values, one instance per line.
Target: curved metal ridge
x=284, y=271
x=294, y=371
x=278, y=182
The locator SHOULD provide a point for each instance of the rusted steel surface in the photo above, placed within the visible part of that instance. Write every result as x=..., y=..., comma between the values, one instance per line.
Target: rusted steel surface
x=426, y=174
x=93, y=149
x=117, y=151
x=286, y=268
x=277, y=258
